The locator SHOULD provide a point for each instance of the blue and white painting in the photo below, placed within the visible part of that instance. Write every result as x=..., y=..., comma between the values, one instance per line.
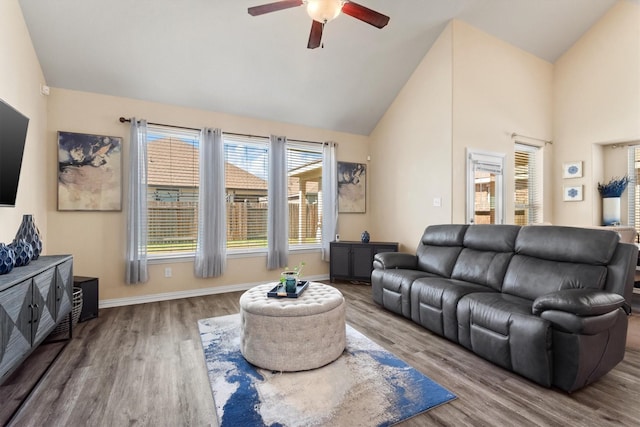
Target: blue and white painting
x=573, y=193
x=89, y=172
x=572, y=170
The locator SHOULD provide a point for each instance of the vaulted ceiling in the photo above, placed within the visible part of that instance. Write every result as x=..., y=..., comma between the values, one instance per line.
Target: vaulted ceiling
x=212, y=55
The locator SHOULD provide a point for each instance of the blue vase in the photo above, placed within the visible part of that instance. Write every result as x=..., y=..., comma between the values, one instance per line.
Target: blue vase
x=23, y=252
x=7, y=259
x=364, y=238
x=30, y=233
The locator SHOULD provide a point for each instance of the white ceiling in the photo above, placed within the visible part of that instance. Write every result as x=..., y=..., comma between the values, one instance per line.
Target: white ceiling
x=212, y=55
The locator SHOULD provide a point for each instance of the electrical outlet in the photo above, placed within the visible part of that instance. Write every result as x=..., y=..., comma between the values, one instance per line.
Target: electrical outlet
x=437, y=202
x=167, y=272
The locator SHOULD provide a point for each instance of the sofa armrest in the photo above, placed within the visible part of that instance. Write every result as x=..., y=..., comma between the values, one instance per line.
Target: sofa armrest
x=581, y=302
x=390, y=260
x=582, y=325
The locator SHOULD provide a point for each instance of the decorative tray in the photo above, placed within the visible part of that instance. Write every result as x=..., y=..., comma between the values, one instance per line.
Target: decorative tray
x=279, y=290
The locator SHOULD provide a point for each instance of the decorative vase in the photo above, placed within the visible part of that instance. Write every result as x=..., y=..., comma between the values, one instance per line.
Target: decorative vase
x=611, y=210
x=7, y=259
x=364, y=238
x=23, y=252
x=30, y=233
x=290, y=281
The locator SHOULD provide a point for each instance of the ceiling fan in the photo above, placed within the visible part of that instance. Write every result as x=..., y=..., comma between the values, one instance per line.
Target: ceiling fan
x=323, y=11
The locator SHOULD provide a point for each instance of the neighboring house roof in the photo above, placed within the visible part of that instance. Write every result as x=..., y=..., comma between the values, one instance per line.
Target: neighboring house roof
x=183, y=156
x=238, y=178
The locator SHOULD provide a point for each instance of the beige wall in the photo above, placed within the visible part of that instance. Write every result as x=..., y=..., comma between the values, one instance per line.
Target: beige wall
x=498, y=89
x=411, y=152
x=20, y=79
x=596, y=102
x=97, y=239
x=471, y=90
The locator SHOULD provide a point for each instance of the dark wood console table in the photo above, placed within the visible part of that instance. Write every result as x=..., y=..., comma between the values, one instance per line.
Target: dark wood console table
x=354, y=260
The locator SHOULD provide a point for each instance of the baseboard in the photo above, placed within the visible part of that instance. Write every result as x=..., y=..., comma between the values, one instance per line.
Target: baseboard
x=166, y=296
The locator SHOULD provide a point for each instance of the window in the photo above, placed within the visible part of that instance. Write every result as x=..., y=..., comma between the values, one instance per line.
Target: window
x=304, y=170
x=172, y=190
x=246, y=174
x=528, y=197
x=172, y=196
x=485, y=190
x=634, y=186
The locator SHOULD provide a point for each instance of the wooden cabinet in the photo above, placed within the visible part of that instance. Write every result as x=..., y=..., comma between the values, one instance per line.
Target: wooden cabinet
x=89, y=286
x=33, y=299
x=354, y=260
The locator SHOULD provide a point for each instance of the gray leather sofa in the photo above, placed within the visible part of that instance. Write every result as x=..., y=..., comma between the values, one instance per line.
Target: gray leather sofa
x=547, y=302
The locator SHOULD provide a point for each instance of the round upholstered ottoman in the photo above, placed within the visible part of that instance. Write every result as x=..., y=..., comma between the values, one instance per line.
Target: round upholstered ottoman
x=292, y=334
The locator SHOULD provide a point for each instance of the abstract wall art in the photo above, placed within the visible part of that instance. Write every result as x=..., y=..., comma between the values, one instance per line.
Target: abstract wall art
x=89, y=172
x=352, y=187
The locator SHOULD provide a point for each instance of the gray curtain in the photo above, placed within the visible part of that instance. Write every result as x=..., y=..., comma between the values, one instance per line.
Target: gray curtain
x=278, y=212
x=329, y=196
x=211, y=250
x=136, y=269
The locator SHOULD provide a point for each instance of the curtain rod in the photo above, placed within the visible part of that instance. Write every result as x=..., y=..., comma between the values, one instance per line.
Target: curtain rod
x=546, y=141
x=123, y=120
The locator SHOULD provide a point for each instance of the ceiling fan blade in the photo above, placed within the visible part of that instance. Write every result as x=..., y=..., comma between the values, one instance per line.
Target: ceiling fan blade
x=315, y=37
x=365, y=14
x=273, y=7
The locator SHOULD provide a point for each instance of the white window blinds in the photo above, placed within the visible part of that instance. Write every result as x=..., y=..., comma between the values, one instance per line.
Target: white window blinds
x=304, y=170
x=634, y=188
x=528, y=194
x=173, y=192
x=246, y=167
x=172, y=196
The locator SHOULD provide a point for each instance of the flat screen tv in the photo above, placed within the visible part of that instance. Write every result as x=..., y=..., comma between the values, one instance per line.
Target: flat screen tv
x=13, y=134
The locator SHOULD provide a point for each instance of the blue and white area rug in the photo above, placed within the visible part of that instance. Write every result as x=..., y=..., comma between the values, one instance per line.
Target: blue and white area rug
x=366, y=386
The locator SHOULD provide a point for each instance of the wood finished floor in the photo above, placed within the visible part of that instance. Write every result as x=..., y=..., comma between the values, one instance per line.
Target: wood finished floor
x=143, y=366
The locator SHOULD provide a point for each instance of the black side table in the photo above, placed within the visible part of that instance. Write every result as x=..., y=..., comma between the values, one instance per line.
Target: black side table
x=89, y=286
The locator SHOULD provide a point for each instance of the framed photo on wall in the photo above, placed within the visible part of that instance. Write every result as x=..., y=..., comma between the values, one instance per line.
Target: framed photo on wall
x=572, y=193
x=572, y=170
x=89, y=172
x=352, y=187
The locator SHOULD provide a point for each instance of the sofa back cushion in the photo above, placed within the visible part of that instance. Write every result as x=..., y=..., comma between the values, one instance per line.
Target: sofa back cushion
x=568, y=244
x=439, y=248
x=552, y=258
x=530, y=277
x=486, y=254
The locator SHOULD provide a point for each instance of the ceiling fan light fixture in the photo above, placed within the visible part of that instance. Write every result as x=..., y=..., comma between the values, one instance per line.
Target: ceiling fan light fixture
x=324, y=11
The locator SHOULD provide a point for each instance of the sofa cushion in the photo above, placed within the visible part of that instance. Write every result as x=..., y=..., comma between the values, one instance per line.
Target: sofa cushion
x=567, y=244
x=482, y=267
x=494, y=237
x=439, y=248
x=434, y=301
x=444, y=235
x=390, y=288
x=530, y=277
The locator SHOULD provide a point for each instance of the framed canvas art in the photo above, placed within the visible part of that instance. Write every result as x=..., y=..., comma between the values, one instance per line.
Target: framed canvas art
x=89, y=172
x=572, y=193
x=572, y=170
x=352, y=187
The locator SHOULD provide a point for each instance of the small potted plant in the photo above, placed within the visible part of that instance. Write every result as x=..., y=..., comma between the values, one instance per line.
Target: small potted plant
x=611, y=193
x=290, y=277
